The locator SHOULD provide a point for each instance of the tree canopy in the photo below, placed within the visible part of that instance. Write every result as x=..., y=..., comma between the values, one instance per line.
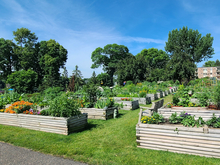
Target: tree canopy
x=187, y=47
x=108, y=57
x=212, y=63
x=132, y=68
x=156, y=61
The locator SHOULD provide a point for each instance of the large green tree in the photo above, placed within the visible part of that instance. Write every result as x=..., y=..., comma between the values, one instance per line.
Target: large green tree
x=189, y=44
x=132, y=68
x=52, y=57
x=108, y=57
x=8, y=59
x=156, y=61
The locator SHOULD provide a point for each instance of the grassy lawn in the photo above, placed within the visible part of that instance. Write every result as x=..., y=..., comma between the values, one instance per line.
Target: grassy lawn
x=103, y=142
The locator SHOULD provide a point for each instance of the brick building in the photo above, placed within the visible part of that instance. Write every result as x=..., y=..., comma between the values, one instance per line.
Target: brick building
x=208, y=72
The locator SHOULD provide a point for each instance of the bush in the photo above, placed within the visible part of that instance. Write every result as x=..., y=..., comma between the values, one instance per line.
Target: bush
x=23, y=81
x=216, y=95
x=62, y=106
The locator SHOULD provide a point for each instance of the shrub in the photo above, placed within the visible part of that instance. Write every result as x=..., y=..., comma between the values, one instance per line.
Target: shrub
x=23, y=81
x=62, y=106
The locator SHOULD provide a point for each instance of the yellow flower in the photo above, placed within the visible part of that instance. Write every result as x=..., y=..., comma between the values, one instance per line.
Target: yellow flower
x=144, y=121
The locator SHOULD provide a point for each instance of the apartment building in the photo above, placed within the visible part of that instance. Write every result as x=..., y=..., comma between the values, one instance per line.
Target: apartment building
x=208, y=72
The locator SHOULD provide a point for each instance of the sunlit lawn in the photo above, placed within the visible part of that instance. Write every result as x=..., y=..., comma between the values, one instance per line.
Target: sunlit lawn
x=103, y=142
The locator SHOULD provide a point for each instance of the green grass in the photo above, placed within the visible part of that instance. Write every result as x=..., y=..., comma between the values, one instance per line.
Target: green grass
x=103, y=142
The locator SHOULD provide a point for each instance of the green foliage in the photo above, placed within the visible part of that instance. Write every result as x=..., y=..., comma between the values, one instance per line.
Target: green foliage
x=203, y=98
x=52, y=92
x=108, y=57
x=216, y=95
x=62, y=106
x=101, y=103
x=23, y=81
x=132, y=68
x=175, y=100
x=78, y=78
x=174, y=118
x=103, y=79
x=156, y=118
x=53, y=57
x=214, y=121
x=186, y=119
x=209, y=64
x=187, y=47
x=8, y=58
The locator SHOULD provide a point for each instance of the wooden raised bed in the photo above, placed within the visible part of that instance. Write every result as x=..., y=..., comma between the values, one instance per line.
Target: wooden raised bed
x=203, y=112
x=59, y=125
x=129, y=105
x=104, y=114
x=144, y=101
x=201, y=141
x=197, y=141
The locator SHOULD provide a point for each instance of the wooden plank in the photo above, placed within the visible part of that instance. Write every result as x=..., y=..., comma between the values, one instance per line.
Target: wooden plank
x=171, y=127
x=161, y=137
x=179, y=132
x=178, y=135
x=181, y=149
x=184, y=144
x=175, y=151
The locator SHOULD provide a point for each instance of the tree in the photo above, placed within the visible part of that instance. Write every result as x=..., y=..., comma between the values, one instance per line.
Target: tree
x=104, y=79
x=133, y=68
x=217, y=62
x=180, y=67
x=209, y=64
x=52, y=57
x=26, y=51
x=8, y=59
x=156, y=62
x=23, y=81
x=93, y=79
x=64, y=78
x=108, y=57
x=189, y=44
x=78, y=78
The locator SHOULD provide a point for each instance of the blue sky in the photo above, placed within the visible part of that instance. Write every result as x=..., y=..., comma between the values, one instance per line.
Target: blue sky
x=83, y=25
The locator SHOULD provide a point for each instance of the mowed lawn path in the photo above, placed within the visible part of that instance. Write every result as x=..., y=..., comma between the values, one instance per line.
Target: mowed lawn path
x=103, y=142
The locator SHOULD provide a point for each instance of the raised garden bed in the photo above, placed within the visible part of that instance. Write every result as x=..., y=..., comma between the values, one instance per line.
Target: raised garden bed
x=201, y=141
x=129, y=105
x=103, y=114
x=153, y=96
x=59, y=125
x=144, y=101
x=203, y=112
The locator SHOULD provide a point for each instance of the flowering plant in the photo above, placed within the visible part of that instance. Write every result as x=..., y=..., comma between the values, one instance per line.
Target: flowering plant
x=126, y=99
x=155, y=119
x=21, y=107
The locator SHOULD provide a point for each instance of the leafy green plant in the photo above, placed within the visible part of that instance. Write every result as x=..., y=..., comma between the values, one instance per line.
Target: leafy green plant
x=175, y=100
x=174, y=118
x=203, y=98
x=62, y=106
x=189, y=121
x=214, y=121
x=216, y=95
